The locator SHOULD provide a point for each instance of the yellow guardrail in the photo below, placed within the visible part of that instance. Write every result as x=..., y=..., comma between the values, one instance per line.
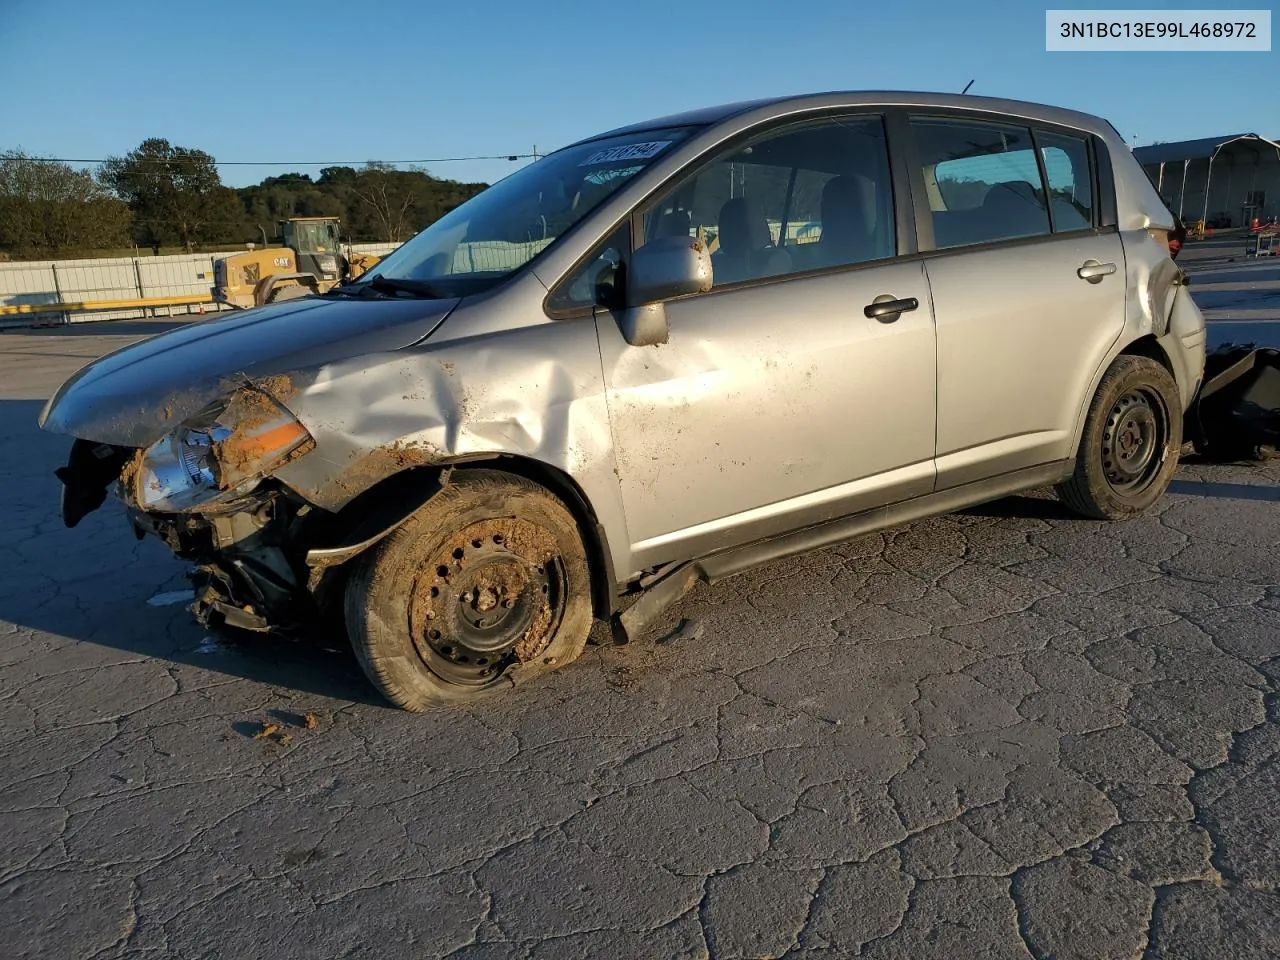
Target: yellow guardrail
x=87, y=305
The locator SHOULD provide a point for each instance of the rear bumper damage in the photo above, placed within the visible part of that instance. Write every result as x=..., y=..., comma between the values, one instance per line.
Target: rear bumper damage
x=1236, y=414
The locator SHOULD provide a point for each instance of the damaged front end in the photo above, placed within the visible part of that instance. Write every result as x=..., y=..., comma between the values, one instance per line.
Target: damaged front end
x=205, y=490
x=247, y=570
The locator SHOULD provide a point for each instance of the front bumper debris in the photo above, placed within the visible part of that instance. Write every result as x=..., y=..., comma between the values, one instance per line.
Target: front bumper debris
x=267, y=561
x=91, y=468
x=217, y=603
x=249, y=571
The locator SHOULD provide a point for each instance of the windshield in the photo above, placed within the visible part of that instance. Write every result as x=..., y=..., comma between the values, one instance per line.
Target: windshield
x=501, y=229
x=311, y=237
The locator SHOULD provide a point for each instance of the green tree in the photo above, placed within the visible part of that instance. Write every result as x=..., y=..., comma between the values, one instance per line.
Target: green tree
x=379, y=202
x=288, y=195
x=175, y=194
x=48, y=209
x=388, y=196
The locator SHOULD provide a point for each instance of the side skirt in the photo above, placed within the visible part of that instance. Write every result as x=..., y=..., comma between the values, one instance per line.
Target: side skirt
x=725, y=563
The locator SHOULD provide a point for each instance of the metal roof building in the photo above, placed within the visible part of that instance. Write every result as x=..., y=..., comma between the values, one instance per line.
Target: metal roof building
x=1226, y=181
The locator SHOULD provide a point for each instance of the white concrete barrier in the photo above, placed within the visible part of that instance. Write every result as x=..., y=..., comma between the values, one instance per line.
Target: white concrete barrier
x=39, y=282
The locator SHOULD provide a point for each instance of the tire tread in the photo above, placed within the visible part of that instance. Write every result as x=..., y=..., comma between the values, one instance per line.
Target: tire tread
x=375, y=574
x=1091, y=496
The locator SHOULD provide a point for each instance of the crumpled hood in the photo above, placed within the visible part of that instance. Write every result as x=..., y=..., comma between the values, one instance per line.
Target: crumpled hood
x=134, y=396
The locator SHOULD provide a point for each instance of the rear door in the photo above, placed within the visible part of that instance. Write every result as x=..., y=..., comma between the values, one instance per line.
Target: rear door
x=1028, y=288
x=777, y=401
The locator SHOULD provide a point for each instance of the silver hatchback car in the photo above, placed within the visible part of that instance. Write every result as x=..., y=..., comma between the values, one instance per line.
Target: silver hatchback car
x=667, y=353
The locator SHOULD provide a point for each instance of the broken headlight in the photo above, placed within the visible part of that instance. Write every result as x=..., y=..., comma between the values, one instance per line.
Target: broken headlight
x=219, y=455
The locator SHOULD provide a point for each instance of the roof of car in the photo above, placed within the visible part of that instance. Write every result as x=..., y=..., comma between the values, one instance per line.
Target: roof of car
x=700, y=116
x=714, y=114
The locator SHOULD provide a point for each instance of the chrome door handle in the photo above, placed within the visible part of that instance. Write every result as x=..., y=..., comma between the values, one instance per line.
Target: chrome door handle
x=887, y=308
x=1094, y=271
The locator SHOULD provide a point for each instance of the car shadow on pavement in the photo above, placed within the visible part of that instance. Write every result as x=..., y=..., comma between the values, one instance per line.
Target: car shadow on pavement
x=1022, y=507
x=98, y=585
x=1226, y=491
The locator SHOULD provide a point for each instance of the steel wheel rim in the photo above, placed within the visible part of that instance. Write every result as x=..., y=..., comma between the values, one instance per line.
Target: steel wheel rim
x=1134, y=439
x=489, y=599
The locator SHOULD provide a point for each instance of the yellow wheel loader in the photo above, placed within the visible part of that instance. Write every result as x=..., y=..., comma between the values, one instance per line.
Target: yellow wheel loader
x=310, y=260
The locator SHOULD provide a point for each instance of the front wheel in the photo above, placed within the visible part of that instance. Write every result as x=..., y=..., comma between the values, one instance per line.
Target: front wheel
x=1132, y=438
x=488, y=578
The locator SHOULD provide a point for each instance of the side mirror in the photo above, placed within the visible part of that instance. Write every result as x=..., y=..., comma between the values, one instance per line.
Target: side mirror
x=663, y=268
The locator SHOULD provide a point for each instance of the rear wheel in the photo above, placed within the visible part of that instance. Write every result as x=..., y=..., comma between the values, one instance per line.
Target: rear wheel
x=488, y=580
x=1132, y=438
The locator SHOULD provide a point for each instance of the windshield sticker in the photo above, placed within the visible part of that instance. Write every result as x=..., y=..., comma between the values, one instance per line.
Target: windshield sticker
x=604, y=176
x=630, y=151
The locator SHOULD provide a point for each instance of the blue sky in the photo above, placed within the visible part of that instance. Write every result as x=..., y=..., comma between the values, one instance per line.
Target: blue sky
x=369, y=79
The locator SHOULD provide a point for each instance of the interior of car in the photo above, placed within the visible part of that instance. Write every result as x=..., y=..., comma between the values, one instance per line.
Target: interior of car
x=795, y=200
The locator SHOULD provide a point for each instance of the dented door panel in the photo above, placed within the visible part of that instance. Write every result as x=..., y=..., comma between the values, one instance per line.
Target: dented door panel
x=772, y=406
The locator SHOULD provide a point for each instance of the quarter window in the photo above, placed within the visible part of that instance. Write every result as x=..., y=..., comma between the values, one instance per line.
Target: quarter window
x=803, y=198
x=982, y=181
x=598, y=282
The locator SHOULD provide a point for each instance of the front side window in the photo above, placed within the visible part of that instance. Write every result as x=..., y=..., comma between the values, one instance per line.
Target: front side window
x=501, y=229
x=802, y=198
x=982, y=181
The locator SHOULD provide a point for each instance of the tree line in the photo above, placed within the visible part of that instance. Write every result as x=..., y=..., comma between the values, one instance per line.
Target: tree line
x=162, y=196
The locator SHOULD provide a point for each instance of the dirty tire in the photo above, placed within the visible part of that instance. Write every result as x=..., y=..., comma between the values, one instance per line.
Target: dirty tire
x=1132, y=438
x=289, y=291
x=487, y=581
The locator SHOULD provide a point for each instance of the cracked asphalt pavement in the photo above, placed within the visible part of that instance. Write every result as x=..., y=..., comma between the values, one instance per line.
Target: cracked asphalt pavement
x=1001, y=733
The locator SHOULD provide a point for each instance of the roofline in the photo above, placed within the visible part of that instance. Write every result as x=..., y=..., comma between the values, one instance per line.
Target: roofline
x=709, y=116
x=1245, y=136
x=1138, y=205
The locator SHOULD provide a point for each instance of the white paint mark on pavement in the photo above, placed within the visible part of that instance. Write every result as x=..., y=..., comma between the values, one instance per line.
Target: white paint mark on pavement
x=209, y=645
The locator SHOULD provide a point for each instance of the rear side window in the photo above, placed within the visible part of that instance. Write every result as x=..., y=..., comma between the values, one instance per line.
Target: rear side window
x=982, y=181
x=1067, y=168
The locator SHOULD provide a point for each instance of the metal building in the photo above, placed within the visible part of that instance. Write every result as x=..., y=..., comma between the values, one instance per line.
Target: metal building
x=1225, y=181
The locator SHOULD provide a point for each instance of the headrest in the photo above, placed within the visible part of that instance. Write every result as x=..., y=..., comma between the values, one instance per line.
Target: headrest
x=742, y=229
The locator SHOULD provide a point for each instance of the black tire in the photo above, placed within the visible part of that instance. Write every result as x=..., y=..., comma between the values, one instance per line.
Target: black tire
x=1131, y=442
x=425, y=607
x=288, y=291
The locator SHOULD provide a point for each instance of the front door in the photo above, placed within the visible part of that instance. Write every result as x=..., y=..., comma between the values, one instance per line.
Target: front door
x=777, y=402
